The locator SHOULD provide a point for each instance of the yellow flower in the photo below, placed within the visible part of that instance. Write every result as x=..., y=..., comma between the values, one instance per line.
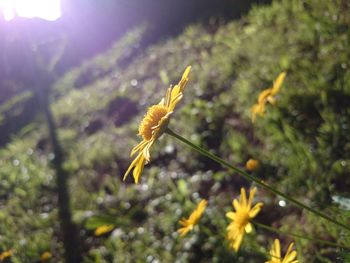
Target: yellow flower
x=275, y=254
x=267, y=95
x=154, y=124
x=45, y=256
x=6, y=254
x=252, y=164
x=189, y=223
x=103, y=229
x=241, y=218
x=257, y=109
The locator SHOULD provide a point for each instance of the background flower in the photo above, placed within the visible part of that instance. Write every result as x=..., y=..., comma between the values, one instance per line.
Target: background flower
x=241, y=217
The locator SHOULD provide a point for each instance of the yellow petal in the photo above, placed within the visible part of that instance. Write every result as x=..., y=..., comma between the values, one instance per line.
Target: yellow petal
x=103, y=229
x=184, y=78
x=183, y=231
x=236, y=205
x=251, y=197
x=193, y=218
x=178, y=89
x=255, y=210
x=237, y=243
x=186, y=74
x=174, y=101
x=257, y=109
x=138, y=147
x=202, y=205
x=243, y=198
x=6, y=254
x=183, y=221
x=167, y=97
x=263, y=95
x=277, y=83
x=231, y=215
x=290, y=247
x=248, y=228
x=277, y=248
x=131, y=166
x=175, y=91
x=271, y=99
x=145, y=151
x=290, y=257
x=139, y=168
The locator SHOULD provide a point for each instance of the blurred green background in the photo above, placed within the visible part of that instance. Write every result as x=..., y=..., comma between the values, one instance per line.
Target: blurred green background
x=98, y=96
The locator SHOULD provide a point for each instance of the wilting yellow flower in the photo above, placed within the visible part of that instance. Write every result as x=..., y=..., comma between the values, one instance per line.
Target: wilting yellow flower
x=275, y=254
x=252, y=164
x=6, y=254
x=45, y=256
x=189, y=223
x=241, y=218
x=103, y=229
x=267, y=95
x=154, y=124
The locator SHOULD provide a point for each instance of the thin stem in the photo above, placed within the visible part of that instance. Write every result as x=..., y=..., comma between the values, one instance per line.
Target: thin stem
x=272, y=229
x=254, y=179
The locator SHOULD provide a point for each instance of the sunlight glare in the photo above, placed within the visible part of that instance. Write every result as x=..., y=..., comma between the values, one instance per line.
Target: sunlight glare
x=45, y=9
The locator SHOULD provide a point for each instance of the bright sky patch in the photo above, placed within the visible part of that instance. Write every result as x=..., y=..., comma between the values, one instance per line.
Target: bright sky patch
x=45, y=9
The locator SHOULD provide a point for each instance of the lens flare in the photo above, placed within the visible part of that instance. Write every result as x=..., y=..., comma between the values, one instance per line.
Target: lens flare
x=45, y=9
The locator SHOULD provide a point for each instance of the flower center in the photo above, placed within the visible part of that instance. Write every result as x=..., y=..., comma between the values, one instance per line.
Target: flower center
x=242, y=218
x=151, y=119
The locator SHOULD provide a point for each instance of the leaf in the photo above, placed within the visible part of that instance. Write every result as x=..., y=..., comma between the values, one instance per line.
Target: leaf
x=99, y=220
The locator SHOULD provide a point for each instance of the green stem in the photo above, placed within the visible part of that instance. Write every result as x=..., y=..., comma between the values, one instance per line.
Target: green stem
x=272, y=229
x=254, y=179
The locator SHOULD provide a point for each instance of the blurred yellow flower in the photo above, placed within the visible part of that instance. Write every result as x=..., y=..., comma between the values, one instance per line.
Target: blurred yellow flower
x=275, y=254
x=45, y=256
x=103, y=229
x=6, y=254
x=240, y=220
x=154, y=124
x=267, y=95
x=189, y=223
x=252, y=164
